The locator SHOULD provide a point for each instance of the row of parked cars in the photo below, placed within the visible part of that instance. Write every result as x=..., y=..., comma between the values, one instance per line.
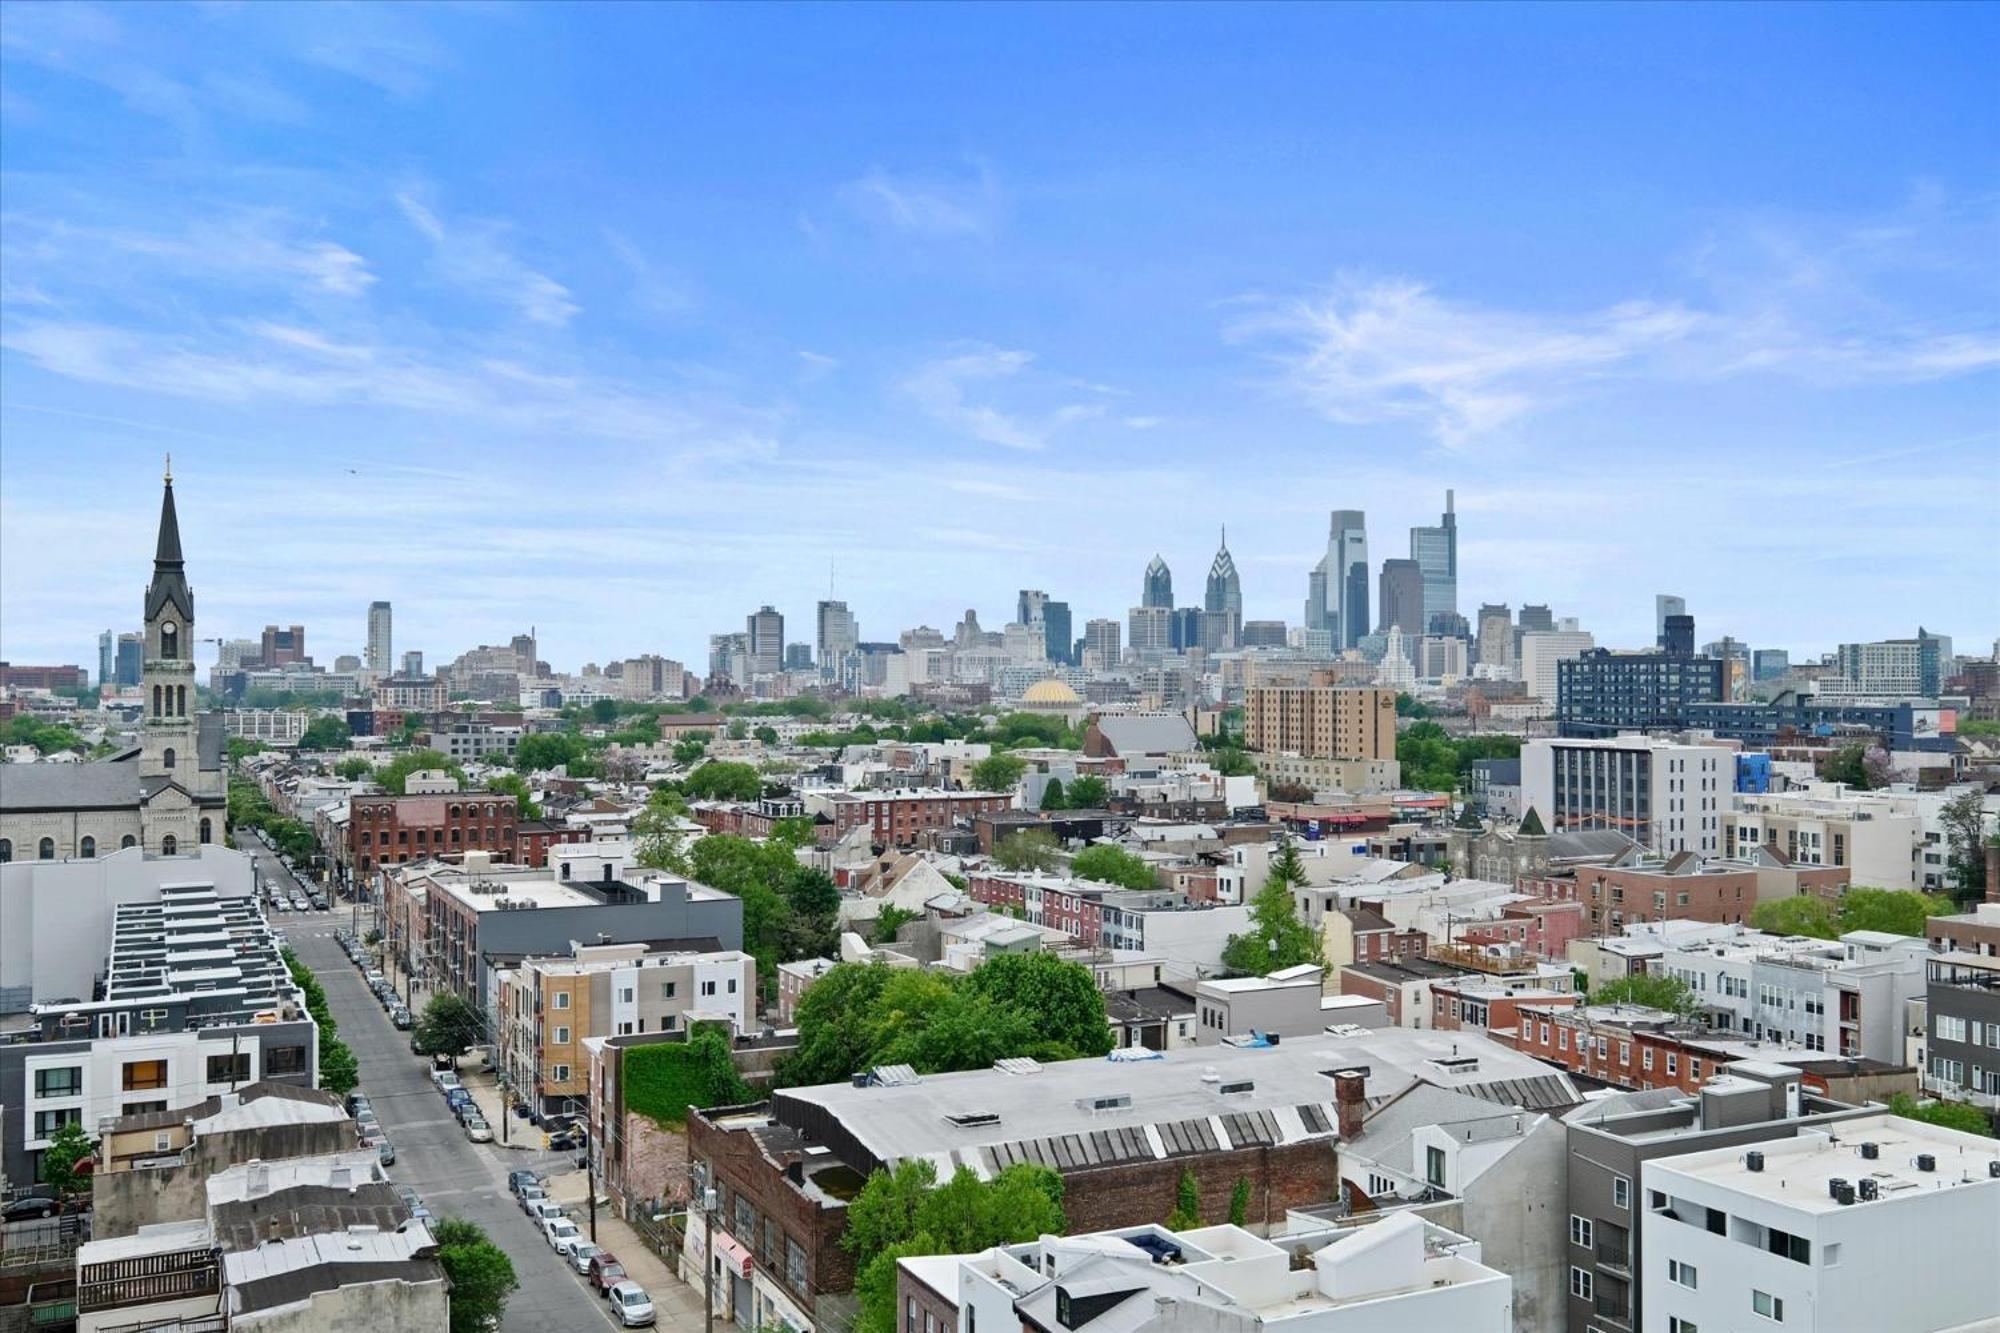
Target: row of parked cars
x=630, y=1303
x=368, y=1129
x=379, y=985
x=459, y=1099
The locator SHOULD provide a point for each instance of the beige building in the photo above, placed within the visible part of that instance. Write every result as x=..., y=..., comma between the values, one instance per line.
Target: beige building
x=1321, y=721
x=547, y=1006
x=1359, y=776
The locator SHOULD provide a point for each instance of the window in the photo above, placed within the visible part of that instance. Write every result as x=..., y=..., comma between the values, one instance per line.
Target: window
x=207, y=831
x=170, y=845
x=562, y=1036
x=1676, y=1324
x=1580, y=1231
x=667, y=990
x=233, y=1068
x=1562, y=1038
x=1771, y=1307
x=1682, y=1274
x=559, y=1073
x=795, y=1264
x=1434, y=1166
x=128, y=841
x=167, y=758
x=1582, y=1284
x=87, y=848
x=732, y=985
x=708, y=988
x=1673, y=1060
x=46, y=849
x=48, y=1122
x=163, y=1141
x=285, y=1060
x=746, y=1220
x=561, y=1000
x=145, y=1074
x=64, y=1082
x=1621, y=1192
x=910, y=1315
x=6, y=850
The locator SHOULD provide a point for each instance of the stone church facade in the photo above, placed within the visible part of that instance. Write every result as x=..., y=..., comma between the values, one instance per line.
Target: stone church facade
x=168, y=794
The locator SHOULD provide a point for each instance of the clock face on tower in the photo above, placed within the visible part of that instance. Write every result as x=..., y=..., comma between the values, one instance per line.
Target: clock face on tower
x=169, y=640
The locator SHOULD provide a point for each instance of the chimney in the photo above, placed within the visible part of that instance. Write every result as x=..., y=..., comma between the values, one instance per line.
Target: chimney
x=1349, y=1088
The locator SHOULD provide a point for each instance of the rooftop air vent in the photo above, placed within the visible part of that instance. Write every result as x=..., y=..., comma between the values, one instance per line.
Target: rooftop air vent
x=974, y=1119
x=1240, y=1087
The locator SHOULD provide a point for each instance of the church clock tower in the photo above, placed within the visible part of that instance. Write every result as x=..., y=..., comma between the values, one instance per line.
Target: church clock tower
x=169, y=754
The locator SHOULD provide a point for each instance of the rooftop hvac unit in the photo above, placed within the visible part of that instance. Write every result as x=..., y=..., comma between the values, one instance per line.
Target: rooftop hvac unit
x=1871, y=1189
x=1753, y=1160
x=1926, y=1162
x=1845, y=1194
x=1871, y=1151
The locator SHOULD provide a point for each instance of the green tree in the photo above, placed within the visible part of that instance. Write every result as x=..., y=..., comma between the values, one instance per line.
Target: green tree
x=1239, y=1202
x=663, y=1081
x=551, y=749
x=1651, y=992
x=1949, y=1115
x=1848, y=764
x=1408, y=705
x=767, y=734
x=481, y=1275
x=884, y=1213
x=604, y=711
x=998, y=773
x=67, y=1146
x=395, y=775
x=738, y=729
x=242, y=747
x=1964, y=824
x=353, y=769
x=1277, y=938
x=46, y=737
x=1897, y=911
x=1186, y=1215
x=1027, y=849
x=1062, y=995
x=1052, y=796
x=448, y=1026
x=1806, y=914
x=1231, y=762
x=326, y=733
x=892, y=919
x=690, y=748
x=1088, y=793
x=1112, y=865
x=719, y=781
x=516, y=786
x=339, y=1070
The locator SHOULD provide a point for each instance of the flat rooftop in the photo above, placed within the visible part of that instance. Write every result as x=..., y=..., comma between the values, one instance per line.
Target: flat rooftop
x=1797, y=1170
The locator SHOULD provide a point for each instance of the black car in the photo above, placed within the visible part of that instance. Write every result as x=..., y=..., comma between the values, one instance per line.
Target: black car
x=21, y=1210
x=566, y=1140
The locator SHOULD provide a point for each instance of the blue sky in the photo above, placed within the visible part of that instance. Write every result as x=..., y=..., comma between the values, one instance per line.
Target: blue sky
x=623, y=320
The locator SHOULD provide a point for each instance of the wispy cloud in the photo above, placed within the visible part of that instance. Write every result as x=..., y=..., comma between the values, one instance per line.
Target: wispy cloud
x=943, y=389
x=1391, y=349
x=473, y=256
x=928, y=207
x=653, y=288
x=246, y=244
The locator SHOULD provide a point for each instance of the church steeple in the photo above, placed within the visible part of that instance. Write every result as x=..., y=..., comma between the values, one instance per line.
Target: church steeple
x=169, y=571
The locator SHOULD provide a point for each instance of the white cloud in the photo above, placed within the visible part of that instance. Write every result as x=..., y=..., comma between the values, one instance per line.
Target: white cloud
x=942, y=389
x=928, y=207
x=248, y=245
x=473, y=256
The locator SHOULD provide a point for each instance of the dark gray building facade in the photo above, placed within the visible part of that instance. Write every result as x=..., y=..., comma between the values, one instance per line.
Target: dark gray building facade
x=1602, y=693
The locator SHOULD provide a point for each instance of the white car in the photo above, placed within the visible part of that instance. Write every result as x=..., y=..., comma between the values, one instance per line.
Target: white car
x=558, y=1231
x=545, y=1212
x=580, y=1253
x=445, y=1080
x=478, y=1130
x=631, y=1304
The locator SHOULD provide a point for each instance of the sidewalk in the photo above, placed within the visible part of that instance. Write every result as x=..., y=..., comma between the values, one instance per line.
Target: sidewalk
x=679, y=1305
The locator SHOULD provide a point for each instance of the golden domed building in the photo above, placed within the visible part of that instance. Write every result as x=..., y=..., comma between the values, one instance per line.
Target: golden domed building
x=1056, y=699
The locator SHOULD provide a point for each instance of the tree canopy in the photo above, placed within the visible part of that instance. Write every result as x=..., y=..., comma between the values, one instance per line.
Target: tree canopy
x=46, y=737
x=718, y=780
x=68, y=1145
x=790, y=910
x=516, y=786
x=1652, y=992
x=1027, y=849
x=1965, y=826
x=545, y=750
x=1052, y=795
x=1950, y=1115
x=448, y=1026
x=395, y=775
x=1433, y=760
x=482, y=1276
x=998, y=773
x=1277, y=937
x=1087, y=792
x=860, y=1015
x=326, y=733
x=1897, y=911
x=1112, y=865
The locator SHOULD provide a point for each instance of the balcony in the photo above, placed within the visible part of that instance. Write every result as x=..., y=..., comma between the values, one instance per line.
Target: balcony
x=146, y=1280
x=1946, y=1090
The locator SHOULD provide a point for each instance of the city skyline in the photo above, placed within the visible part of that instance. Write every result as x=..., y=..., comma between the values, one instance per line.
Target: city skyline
x=544, y=362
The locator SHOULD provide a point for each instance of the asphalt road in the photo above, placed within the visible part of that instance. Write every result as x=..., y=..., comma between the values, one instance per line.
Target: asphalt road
x=455, y=1177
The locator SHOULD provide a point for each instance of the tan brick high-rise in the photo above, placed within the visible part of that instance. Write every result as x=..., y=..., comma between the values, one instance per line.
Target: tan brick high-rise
x=1321, y=721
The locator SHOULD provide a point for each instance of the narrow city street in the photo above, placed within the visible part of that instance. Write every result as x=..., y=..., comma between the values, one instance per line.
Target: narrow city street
x=454, y=1176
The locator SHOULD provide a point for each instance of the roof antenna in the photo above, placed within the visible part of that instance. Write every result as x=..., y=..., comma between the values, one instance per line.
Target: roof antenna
x=170, y=470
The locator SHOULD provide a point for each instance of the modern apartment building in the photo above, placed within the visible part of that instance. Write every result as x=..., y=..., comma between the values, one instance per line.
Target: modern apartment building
x=1542, y=651
x=1845, y=997
x=194, y=1001
x=1879, y=841
x=1610, y=1141
x=1962, y=1011
x=1320, y=721
x=1602, y=693
x=1790, y=719
x=546, y=1006
x=1888, y=1223
x=1666, y=796
x=1890, y=668
x=381, y=656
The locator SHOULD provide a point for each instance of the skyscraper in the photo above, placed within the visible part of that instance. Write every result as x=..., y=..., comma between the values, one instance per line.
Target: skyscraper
x=1317, y=613
x=1055, y=630
x=1028, y=606
x=1100, y=644
x=838, y=635
x=1150, y=630
x=1496, y=635
x=1677, y=635
x=1224, y=597
x=107, y=657
x=381, y=655
x=1402, y=599
x=1436, y=552
x=1159, y=585
x=413, y=663
x=131, y=662
x=1664, y=605
x=766, y=628
x=1347, y=577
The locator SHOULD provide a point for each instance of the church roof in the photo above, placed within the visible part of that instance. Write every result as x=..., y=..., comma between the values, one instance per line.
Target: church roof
x=169, y=577
x=1531, y=824
x=101, y=786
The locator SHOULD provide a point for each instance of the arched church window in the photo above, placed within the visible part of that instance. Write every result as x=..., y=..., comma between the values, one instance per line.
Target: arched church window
x=6, y=850
x=47, y=850
x=170, y=845
x=207, y=831
x=88, y=847
x=167, y=759
x=170, y=641
x=127, y=841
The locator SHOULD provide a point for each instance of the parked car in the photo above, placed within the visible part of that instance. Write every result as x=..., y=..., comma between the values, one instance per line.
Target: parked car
x=357, y=1102
x=384, y=1150
x=559, y=1230
x=631, y=1304
x=445, y=1079
x=477, y=1129
x=21, y=1210
x=569, y=1140
x=544, y=1210
x=517, y=1180
x=399, y=1017
x=605, y=1272
x=530, y=1195
x=581, y=1253
x=457, y=1097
